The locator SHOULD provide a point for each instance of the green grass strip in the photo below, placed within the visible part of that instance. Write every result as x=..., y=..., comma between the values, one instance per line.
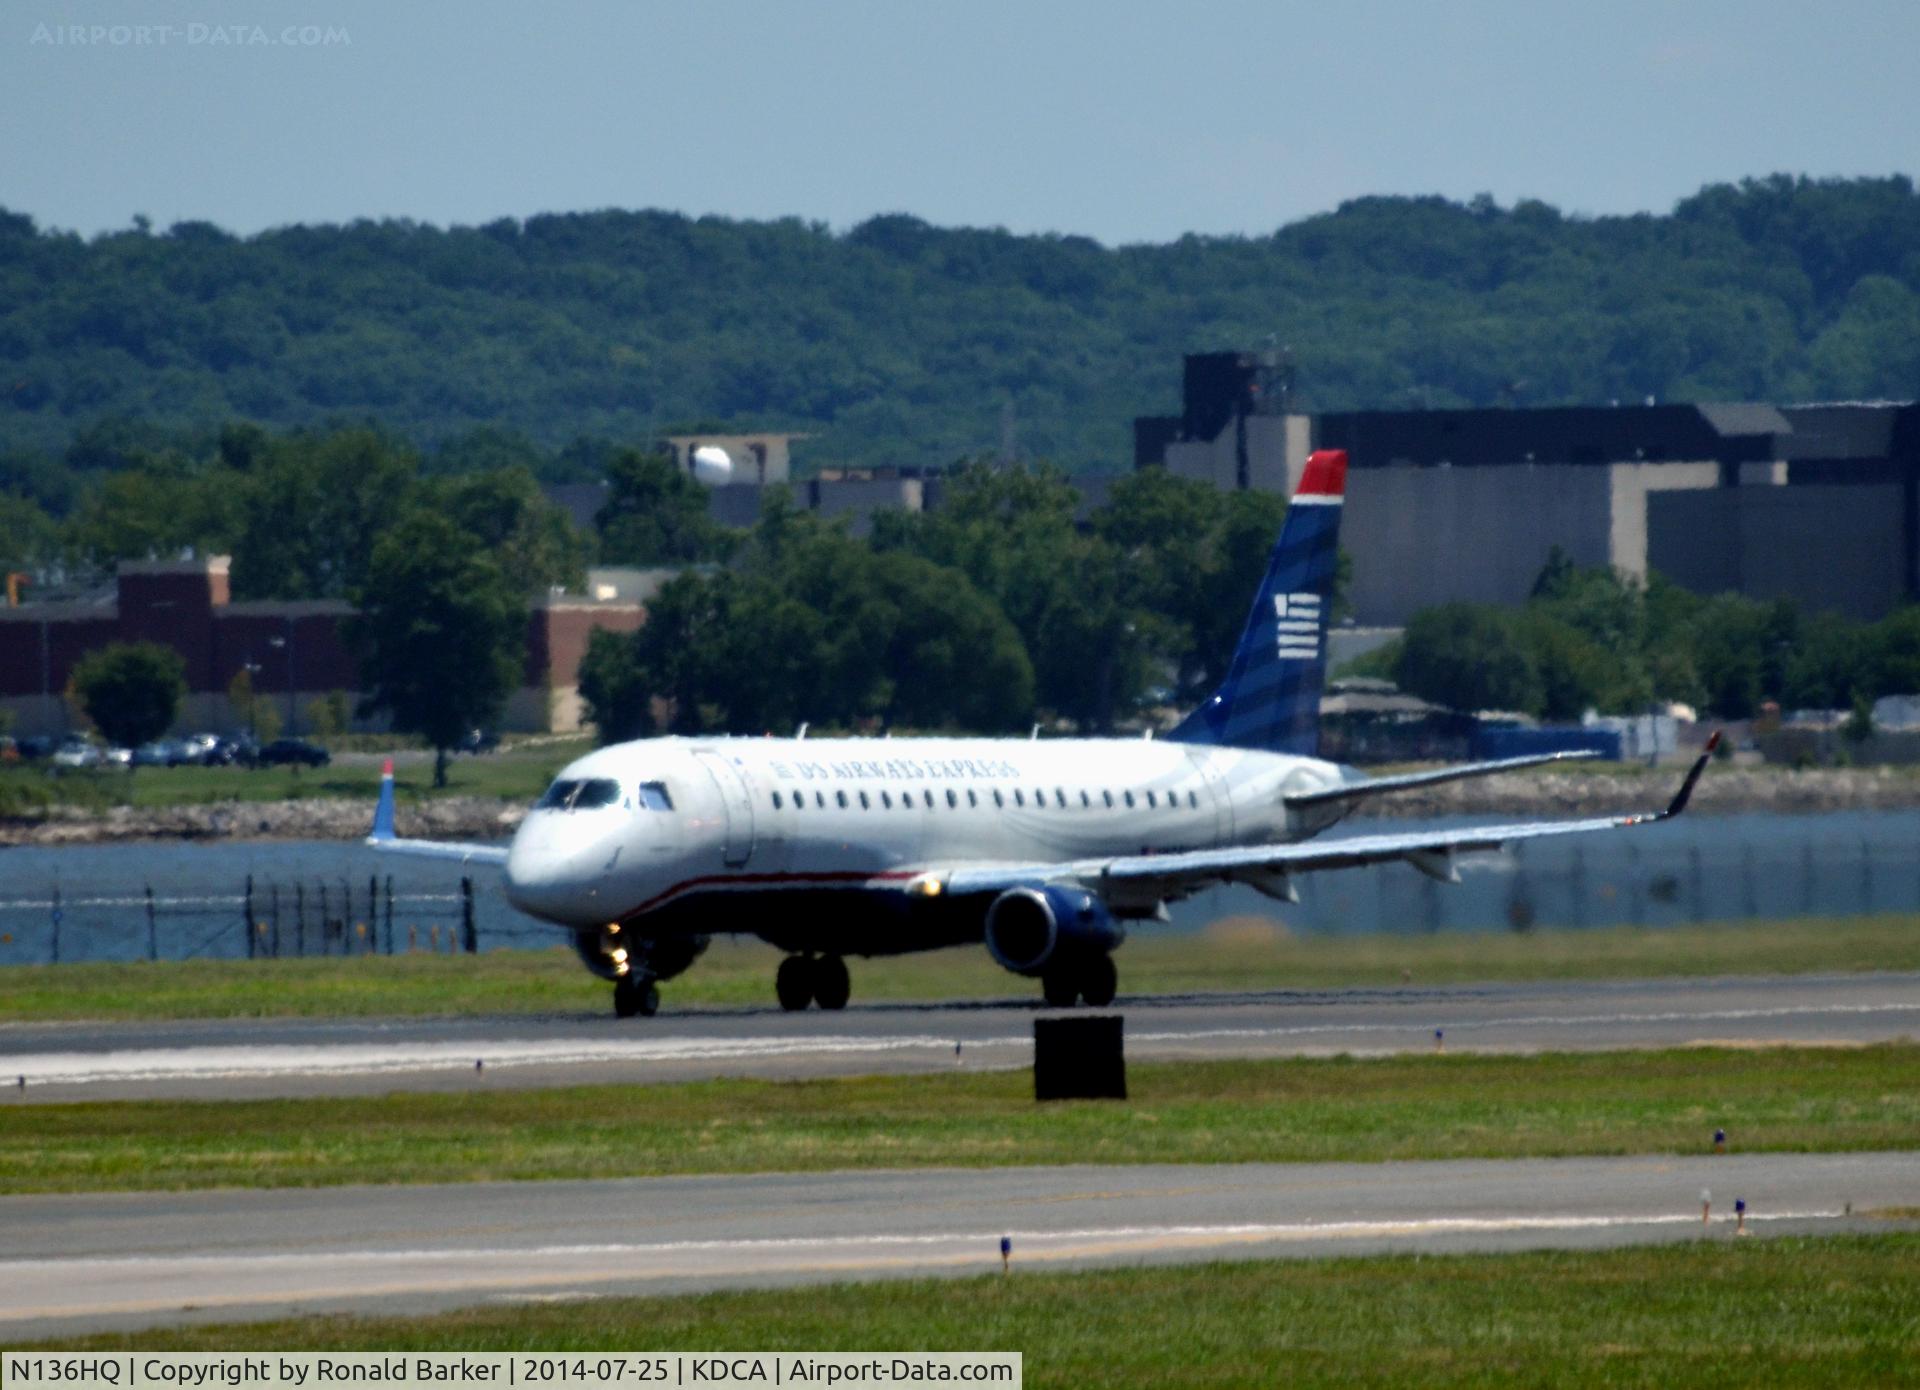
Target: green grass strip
x=1829, y=1311
x=516, y=775
x=1238, y=954
x=1337, y=1108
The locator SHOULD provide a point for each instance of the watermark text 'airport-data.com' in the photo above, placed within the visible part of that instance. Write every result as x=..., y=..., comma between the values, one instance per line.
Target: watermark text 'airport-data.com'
x=194, y=35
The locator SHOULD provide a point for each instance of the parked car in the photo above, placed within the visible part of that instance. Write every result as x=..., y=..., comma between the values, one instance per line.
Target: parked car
x=198, y=748
x=235, y=748
x=162, y=752
x=75, y=751
x=35, y=747
x=292, y=750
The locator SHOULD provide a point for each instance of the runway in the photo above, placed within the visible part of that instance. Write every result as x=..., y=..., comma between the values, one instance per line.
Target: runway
x=293, y=1057
x=131, y=1260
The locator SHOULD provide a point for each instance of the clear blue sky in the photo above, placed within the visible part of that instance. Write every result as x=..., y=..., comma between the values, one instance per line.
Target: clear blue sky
x=1123, y=121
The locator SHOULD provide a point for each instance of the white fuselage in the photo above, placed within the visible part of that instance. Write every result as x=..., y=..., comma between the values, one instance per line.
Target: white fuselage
x=649, y=824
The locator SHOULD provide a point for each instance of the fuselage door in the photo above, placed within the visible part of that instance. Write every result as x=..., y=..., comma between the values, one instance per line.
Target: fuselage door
x=737, y=803
x=1218, y=793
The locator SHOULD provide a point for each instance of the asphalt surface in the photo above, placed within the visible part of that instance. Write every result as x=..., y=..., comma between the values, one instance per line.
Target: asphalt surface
x=224, y=1059
x=69, y=1263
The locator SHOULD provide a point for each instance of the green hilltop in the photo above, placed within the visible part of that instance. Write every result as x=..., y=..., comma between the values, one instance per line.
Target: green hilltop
x=902, y=343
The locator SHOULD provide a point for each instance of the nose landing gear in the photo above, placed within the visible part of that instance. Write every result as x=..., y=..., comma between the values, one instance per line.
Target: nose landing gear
x=812, y=979
x=636, y=994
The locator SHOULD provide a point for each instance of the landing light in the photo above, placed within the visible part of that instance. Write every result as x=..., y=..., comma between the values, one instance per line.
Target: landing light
x=618, y=955
x=926, y=886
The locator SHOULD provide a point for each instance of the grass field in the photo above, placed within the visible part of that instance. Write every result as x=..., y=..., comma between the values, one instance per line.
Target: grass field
x=512, y=774
x=1236, y=955
x=1830, y=1311
x=1340, y=1108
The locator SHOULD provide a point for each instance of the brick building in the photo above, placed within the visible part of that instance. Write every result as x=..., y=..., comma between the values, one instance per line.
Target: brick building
x=296, y=650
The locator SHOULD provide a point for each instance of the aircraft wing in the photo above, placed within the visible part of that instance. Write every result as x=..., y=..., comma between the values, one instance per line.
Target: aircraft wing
x=1144, y=879
x=382, y=836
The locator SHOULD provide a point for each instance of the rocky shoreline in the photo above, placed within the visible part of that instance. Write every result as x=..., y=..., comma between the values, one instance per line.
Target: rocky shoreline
x=1543, y=795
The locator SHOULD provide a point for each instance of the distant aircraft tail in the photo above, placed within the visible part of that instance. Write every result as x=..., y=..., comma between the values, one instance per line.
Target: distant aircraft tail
x=1271, y=696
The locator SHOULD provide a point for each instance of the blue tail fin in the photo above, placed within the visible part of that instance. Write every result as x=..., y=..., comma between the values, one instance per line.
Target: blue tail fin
x=1271, y=696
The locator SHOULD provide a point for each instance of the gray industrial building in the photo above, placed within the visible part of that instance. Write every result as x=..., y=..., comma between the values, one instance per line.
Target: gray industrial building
x=1818, y=503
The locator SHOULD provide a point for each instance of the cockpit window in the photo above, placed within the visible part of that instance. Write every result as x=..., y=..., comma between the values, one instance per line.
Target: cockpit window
x=596, y=792
x=587, y=795
x=559, y=796
x=653, y=796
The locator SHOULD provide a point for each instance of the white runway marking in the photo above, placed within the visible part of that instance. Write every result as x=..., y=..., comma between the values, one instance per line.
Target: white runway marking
x=367, y=1059
x=1542, y=1021
x=1297, y=1230
x=205, y=1063
x=57, y=1288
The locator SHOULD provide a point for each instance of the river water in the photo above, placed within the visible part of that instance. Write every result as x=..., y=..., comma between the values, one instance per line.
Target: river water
x=90, y=902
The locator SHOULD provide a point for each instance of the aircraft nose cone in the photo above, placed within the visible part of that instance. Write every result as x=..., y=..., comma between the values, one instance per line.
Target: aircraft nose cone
x=540, y=875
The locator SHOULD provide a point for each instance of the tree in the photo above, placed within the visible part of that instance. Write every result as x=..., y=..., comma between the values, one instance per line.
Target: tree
x=656, y=515
x=441, y=633
x=1467, y=657
x=313, y=510
x=131, y=690
x=533, y=540
x=619, y=704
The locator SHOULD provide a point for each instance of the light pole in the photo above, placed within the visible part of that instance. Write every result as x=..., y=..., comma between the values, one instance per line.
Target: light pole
x=293, y=721
x=252, y=668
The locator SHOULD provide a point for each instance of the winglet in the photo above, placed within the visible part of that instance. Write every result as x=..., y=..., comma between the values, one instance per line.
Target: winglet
x=1679, y=802
x=383, y=813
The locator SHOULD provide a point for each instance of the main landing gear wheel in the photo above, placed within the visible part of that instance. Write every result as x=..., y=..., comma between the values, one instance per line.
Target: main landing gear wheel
x=1099, y=981
x=793, y=983
x=636, y=994
x=804, y=980
x=831, y=987
x=1094, y=980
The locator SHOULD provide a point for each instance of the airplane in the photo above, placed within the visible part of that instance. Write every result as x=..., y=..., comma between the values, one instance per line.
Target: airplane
x=1042, y=850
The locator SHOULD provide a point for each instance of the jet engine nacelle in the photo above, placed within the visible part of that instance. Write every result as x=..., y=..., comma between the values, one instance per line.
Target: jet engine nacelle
x=712, y=465
x=1030, y=928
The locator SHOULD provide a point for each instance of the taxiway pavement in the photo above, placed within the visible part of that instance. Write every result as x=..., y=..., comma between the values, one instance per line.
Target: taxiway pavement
x=69, y=1263
x=227, y=1059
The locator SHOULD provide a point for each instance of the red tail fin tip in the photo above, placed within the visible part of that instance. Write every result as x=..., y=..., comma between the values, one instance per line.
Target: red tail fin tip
x=1325, y=474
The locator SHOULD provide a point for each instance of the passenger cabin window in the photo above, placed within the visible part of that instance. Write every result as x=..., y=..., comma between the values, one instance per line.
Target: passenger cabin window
x=1059, y=797
x=864, y=803
x=972, y=800
x=1108, y=798
x=952, y=799
x=1150, y=800
x=1019, y=798
x=841, y=797
x=996, y=797
x=1129, y=799
x=776, y=801
x=1193, y=801
x=886, y=801
x=1085, y=800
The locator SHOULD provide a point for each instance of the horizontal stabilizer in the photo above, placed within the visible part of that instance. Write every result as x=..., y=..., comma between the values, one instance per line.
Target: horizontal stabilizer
x=1378, y=786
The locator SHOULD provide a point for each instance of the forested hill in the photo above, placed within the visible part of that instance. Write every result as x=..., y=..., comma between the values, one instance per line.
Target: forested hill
x=898, y=342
